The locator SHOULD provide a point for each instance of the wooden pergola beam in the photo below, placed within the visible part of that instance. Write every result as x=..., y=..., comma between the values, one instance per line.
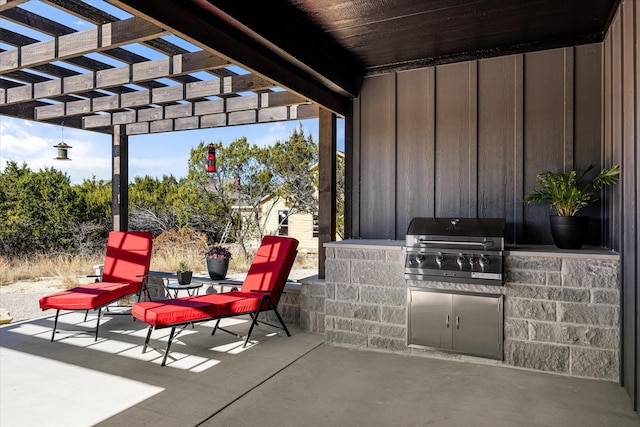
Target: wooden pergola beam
x=265, y=115
x=106, y=36
x=164, y=95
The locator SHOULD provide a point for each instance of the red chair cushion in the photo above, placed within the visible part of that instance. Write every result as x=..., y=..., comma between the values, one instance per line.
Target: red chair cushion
x=268, y=272
x=128, y=257
x=178, y=310
x=89, y=296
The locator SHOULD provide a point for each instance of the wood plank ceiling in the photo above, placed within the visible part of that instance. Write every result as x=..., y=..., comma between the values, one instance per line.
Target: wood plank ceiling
x=316, y=50
x=126, y=71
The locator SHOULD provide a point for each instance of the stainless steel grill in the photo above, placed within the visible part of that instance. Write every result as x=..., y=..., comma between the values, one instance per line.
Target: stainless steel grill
x=466, y=250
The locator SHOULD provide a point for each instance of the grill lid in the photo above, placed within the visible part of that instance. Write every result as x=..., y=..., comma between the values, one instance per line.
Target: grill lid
x=467, y=227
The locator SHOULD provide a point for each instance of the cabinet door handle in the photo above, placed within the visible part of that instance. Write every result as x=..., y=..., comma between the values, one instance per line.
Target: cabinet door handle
x=447, y=320
x=457, y=322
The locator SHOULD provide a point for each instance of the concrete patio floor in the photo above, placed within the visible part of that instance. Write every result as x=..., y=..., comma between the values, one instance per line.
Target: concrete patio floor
x=280, y=381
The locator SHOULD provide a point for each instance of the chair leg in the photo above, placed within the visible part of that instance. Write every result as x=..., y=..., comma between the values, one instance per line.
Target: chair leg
x=166, y=353
x=86, y=314
x=98, y=324
x=55, y=325
x=215, y=328
x=254, y=322
x=146, y=342
x=275, y=310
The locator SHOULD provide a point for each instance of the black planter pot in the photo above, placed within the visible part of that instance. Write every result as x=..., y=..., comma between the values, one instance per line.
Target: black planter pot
x=217, y=268
x=569, y=232
x=184, y=277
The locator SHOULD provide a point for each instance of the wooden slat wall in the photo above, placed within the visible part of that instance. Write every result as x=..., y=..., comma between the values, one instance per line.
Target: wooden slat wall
x=378, y=158
x=621, y=131
x=468, y=139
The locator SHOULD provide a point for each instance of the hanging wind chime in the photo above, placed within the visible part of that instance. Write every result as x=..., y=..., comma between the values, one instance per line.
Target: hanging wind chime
x=211, y=158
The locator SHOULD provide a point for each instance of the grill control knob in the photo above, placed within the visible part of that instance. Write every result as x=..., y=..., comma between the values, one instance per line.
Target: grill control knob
x=439, y=260
x=484, y=261
x=472, y=261
x=460, y=260
x=416, y=259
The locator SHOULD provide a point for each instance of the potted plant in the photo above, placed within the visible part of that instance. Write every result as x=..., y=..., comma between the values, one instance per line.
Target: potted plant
x=567, y=193
x=184, y=273
x=217, y=262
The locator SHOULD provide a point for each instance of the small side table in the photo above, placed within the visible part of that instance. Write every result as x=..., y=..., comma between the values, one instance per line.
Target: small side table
x=192, y=288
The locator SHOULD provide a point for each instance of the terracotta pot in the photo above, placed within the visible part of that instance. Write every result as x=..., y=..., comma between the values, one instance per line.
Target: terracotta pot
x=217, y=268
x=569, y=232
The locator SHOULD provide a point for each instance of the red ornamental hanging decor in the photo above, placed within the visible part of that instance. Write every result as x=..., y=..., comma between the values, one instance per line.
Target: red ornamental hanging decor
x=211, y=158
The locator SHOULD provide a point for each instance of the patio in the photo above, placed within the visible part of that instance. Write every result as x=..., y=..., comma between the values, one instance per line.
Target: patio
x=75, y=381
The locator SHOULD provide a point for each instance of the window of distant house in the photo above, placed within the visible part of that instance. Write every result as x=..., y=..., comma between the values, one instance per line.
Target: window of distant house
x=316, y=226
x=283, y=223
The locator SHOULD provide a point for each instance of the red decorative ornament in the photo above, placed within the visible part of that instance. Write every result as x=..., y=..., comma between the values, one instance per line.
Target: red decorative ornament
x=211, y=158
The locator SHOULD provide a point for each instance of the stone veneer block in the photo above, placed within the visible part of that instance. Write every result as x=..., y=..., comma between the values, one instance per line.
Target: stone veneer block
x=543, y=357
x=386, y=343
x=374, y=328
x=548, y=293
x=361, y=254
x=604, y=315
x=347, y=292
x=384, y=296
x=313, y=303
x=348, y=338
x=394, y=315
x=529, y=309
x=516, y=329
x=337, y=271
x=373, y=273
x=586, y=336
x=590, y=273
x=529, y=277
x=605, y=296
x=532, y=263
x=351, y=310
x=586, y=362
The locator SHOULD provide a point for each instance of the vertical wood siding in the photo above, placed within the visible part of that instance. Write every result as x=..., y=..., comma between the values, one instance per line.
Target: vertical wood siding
x=468, y=139
x=621, y=123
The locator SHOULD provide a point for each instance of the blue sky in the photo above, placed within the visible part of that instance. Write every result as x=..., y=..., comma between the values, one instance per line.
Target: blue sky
x=155, y=155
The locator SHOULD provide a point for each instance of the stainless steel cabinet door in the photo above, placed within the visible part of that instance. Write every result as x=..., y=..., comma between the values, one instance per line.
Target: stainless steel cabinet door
x=477, y=325
x=430, y=319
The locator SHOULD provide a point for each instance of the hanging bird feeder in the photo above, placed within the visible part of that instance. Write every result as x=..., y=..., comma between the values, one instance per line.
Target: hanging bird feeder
x=211, y=158
x=62, y=151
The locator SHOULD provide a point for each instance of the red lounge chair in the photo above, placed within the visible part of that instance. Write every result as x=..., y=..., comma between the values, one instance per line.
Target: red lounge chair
x=261, y=291
x=125, y=266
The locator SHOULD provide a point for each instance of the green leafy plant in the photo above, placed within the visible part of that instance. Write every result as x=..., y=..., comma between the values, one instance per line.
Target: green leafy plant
x=568, y=192
x=217, y=252
x=183, y=267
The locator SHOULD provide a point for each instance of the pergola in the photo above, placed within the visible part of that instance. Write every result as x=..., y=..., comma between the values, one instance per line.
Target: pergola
x=128, y=75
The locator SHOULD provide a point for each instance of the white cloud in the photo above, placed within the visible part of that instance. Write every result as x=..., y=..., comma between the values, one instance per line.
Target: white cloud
x=32, y=143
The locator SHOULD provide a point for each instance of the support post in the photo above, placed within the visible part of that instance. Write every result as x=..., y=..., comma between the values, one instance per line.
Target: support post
x=326, y=185
x=120, y=179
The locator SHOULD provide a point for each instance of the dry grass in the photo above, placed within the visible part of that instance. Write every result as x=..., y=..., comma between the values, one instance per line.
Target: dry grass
x=64, y=267
x=165, y=258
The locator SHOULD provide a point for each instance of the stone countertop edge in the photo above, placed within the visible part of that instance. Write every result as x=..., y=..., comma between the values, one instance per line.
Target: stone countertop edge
x=586, y=252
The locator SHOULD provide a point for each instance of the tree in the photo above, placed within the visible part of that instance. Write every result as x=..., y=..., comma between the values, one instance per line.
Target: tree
x=294, y=180
x=39, y=210
x=233, y=193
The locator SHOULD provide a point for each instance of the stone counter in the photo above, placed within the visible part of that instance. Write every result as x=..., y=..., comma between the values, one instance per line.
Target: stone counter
x=561, y=311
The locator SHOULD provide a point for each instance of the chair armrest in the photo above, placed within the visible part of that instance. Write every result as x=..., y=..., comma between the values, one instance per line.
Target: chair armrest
x=267, y=292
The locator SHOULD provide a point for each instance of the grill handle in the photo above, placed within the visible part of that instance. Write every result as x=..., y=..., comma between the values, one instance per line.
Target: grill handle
x=447, y=321
x=452, y=242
